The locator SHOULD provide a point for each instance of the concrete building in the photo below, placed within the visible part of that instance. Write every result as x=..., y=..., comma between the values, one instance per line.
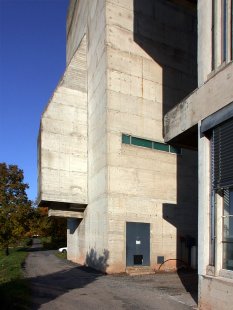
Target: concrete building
x=130, y=198
x=207, y=113
x=135, y=146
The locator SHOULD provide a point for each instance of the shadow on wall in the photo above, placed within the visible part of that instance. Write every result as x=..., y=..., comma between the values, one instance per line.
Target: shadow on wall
x=186, y=238
x=167, y=32
x=184, y=217
x=72, y=224
x=98, y=262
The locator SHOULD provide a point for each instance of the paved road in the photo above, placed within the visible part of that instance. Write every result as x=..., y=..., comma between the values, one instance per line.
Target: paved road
x=59, y=284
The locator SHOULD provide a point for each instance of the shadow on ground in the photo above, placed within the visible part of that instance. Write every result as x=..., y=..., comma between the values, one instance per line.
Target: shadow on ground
x=49, y=287
x=189, y=280
x=19, y=296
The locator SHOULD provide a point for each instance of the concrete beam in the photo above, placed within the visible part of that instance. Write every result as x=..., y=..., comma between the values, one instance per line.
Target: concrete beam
x=213, y=95
x=68, y=214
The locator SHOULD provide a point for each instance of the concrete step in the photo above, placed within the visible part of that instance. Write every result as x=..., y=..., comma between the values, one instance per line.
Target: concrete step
x=139, y=270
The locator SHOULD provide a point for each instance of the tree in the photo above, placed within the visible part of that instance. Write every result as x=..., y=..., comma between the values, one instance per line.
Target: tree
x=48, y=226
x=15, y=208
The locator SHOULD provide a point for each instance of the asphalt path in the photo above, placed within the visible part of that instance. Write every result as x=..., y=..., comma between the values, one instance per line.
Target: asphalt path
x=60, y=284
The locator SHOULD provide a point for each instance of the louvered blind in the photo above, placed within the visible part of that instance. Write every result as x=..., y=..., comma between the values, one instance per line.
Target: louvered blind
x=222, y=155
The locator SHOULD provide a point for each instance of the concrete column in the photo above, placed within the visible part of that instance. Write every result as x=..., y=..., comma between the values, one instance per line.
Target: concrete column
x=218, y=244
x=204, y=40
x=203, y=202
x=217, y=33
x=72, y=239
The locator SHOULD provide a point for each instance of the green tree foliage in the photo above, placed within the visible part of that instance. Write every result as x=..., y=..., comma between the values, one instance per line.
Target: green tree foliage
x=44, y=226
x=15, y=208
x=50, y=226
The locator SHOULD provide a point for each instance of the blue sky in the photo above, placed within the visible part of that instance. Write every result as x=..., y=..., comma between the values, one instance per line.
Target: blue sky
x=32, y=60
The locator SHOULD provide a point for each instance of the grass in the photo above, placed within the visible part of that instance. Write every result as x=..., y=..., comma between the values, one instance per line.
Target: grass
x=14, y=289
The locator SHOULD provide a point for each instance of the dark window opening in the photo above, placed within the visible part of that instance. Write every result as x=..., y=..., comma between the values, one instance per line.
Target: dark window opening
x=222, y=184
x=160, y=259
x=138, y=259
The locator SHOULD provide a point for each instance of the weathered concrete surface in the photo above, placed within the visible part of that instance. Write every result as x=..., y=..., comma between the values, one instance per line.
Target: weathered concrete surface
x=204, y=39
x=215, y=284
x=214, y=92
x=215, y=293
x=59, y=284
x=150, y=67
x=88, y=240
x=62, y=143
x=140, y=61
x=213, y=95
x=62, y=213
x=204, y=179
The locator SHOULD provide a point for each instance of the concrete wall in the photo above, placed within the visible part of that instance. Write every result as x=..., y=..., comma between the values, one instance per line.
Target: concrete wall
x=215, y=284
x=140, y=60
x=62, y=140
x=72, y=239
x=215, y=77
x=214, y=93
x=76, y=24
x=204, y=40
x=92, y=241
x=215, y=293
x=151, y=65
x=203, y=200
x=210, y=97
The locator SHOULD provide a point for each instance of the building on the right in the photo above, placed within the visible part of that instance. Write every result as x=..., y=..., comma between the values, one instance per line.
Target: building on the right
x=206, y=115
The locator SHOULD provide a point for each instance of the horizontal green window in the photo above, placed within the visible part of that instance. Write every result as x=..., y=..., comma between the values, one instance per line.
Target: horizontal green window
x=161, y=146
x=141, y=142
x=125, y=139
x=176, y=150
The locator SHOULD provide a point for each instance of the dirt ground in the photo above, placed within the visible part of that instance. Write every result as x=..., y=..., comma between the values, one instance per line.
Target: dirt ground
x=60, y=284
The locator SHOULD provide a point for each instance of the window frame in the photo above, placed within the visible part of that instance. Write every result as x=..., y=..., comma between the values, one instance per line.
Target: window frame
x=149, y=144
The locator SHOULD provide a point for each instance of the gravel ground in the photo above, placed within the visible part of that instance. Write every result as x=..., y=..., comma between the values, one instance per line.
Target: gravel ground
x=60, y=284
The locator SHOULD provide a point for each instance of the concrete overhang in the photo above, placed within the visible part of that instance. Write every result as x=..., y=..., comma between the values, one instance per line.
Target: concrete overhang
x=63, y=213
x=64, y=209
x=213, y=95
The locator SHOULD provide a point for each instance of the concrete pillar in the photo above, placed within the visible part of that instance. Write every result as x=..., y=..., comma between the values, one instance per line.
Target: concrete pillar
x=72, y=239
x=204, y=40
x=217, y=33
x=203, y=202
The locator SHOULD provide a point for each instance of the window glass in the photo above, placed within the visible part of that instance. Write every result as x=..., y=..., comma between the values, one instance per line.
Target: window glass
x=125, y=139
x=141, y=142
x=161, y=146
x=175, y=150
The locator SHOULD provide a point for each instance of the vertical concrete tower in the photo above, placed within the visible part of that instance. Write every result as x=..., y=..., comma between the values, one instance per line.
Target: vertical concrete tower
x=130, y=198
